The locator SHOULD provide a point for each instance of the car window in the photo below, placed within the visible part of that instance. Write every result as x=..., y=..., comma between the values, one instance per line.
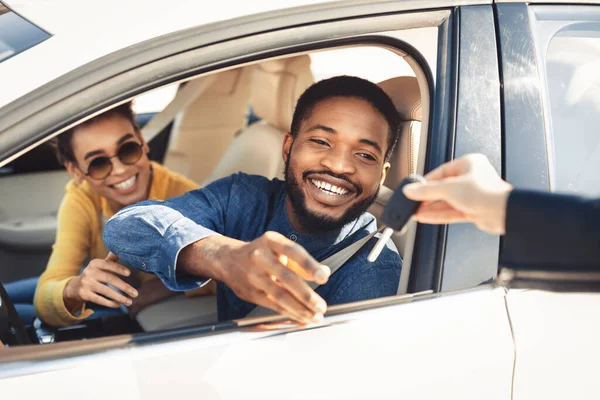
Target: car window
x=155, y=100
x=572, y=63
x=369, y=62
x=409, y=76
x=17, y=34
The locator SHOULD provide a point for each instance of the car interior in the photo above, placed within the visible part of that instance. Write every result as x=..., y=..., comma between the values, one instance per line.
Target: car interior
x=235, y=121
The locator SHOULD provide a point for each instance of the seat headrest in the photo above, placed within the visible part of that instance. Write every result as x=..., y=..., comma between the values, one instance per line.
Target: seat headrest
x=405, y=94
x=276, y=87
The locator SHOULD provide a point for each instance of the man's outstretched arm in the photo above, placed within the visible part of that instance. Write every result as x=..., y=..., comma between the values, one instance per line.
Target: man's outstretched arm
x=178, y=241
x=269, y=271
x=149, y=236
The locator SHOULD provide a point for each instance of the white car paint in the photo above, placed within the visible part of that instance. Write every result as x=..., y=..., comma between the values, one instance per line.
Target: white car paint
x=556, y=337
x=83, y=31
x=456, y=346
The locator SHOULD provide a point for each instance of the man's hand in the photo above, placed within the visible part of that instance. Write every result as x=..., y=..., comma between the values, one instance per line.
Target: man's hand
x=269, y=271
x=467, y=189
x=91, y=285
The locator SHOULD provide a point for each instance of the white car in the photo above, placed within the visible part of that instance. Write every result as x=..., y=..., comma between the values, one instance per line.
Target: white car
x=517, y=82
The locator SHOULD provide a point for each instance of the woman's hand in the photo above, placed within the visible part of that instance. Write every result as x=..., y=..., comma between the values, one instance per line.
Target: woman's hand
x=91, y=285
x=467, y=189
x=150, y=291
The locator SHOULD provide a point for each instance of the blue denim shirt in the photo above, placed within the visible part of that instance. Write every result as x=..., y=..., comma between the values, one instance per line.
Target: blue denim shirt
x=149, y=235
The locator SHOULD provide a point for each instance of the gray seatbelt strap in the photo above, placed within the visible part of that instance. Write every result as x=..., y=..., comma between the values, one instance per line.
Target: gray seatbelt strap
x=334, y=262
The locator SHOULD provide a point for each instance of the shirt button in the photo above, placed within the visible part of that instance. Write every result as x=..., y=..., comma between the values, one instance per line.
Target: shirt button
x=293, y=237
x=144, y=265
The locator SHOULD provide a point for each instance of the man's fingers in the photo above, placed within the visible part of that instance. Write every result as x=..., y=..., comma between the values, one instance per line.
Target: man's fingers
x=290, y=305
x=112, y=257
x=280, y=307
x=268, y=302
x=287, y=280
x=298, y=258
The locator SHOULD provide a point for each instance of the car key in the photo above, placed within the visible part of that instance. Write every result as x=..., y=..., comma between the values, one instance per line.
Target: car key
x=396, y=214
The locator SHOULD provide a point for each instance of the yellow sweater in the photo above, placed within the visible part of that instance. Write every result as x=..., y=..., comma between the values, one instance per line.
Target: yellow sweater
x=81, y=219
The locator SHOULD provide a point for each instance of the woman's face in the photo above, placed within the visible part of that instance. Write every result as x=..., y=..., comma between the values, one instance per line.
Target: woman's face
x=126, y=184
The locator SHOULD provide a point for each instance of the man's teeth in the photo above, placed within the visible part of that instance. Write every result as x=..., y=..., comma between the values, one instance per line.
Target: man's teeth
x=329, y=188
x=125, y=184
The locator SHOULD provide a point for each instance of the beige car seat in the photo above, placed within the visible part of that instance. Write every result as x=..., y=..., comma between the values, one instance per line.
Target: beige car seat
x=275, y=88
x=203, y=131
x=405, y=94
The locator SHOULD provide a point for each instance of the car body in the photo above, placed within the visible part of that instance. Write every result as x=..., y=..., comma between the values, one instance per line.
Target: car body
x=483, y=69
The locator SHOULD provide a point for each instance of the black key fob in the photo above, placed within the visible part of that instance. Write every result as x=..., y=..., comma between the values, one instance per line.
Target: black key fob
x=396, y=214
x=399, y=208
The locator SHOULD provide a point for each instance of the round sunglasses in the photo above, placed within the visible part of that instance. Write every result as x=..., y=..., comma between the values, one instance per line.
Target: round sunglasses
x=129, y=153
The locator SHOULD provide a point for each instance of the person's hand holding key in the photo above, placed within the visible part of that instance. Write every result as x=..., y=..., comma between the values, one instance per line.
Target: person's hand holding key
x=396, y=214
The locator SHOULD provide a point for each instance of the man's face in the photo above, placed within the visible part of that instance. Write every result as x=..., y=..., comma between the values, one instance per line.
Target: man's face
x=335, y=164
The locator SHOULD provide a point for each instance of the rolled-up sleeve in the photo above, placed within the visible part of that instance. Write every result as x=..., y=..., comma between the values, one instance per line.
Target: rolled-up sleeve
x=148, y=236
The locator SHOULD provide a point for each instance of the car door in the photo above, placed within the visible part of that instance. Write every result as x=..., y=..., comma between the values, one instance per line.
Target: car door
x=454, y=343
x=550, y=59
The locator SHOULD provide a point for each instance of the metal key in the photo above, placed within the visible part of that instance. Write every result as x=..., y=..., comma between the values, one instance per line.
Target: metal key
x=396, y=214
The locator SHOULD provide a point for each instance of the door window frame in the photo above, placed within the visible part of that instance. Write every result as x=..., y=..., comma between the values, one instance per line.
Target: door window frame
x=50, y=113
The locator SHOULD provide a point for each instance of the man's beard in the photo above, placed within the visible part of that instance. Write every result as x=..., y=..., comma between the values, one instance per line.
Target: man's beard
x=314, y=222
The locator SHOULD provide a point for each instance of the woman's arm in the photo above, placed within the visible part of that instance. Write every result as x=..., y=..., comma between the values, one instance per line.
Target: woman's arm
x=62, y=291
x=71, y=248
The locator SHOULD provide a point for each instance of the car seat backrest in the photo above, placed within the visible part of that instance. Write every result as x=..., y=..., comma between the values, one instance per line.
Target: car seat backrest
x=276, y=85
x=203, y=131
x=405, y=94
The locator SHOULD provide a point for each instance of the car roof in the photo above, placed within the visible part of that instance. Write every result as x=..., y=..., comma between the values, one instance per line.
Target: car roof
x=83, y=31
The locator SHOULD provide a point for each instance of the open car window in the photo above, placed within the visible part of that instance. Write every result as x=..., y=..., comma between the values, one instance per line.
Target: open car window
x=198, y=143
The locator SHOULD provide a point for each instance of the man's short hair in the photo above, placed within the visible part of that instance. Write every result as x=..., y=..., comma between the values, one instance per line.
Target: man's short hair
x=354, y=87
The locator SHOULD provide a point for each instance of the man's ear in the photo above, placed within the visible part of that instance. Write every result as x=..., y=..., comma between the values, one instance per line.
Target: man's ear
x=384, y=172
x=287, y=146
x=75, y=172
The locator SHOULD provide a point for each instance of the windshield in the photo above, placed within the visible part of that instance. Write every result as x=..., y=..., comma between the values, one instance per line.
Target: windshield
x=17, y=34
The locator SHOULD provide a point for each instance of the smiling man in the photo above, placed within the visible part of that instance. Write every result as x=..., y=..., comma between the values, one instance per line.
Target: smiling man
x=260, y=238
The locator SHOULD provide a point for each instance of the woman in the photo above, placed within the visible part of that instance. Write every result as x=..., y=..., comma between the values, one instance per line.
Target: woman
x=106, y=157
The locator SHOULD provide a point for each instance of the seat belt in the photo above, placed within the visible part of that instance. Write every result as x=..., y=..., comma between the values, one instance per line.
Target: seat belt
x=334, y=262
x=184, y=97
